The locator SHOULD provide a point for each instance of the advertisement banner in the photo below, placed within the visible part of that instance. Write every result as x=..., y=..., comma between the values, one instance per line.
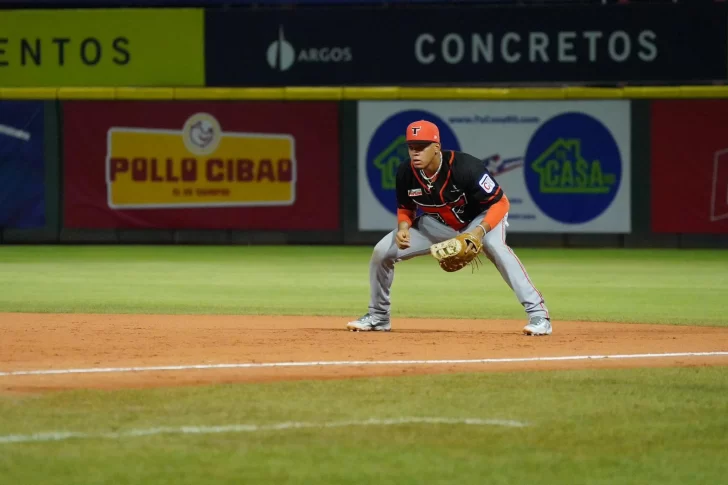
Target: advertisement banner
x=214, y=165
x=690, y=166
x=121, y=47
x=22, y=165
x=564, y=43
x=564, y=165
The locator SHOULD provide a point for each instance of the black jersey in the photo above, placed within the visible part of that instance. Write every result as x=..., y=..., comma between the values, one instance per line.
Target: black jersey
x=462, y=190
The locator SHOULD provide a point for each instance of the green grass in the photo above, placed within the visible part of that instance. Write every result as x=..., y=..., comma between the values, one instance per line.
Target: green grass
x=656, y=286
x=641, y=426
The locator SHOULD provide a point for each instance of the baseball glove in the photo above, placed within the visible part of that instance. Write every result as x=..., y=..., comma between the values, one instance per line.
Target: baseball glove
x=456, y=253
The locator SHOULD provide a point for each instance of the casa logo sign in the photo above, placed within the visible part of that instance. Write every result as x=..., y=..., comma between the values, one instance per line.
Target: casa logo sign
x=198, y=166
x=573, y=168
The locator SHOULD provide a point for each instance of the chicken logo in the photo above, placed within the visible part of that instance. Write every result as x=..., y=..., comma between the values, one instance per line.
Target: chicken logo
x=202, y=134
x=199, y=165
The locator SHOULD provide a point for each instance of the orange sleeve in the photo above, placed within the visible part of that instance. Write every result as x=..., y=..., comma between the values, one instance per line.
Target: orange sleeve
x=497, y=211
x=405, y=215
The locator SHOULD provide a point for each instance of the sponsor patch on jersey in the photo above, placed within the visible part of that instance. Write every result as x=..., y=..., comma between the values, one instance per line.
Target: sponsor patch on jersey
x=414, y=192
x=487, y=183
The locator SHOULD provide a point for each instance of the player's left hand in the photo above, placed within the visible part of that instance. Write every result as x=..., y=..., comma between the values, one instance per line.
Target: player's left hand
x=402, y=239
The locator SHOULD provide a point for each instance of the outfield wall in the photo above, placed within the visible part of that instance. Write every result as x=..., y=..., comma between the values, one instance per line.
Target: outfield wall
x=630, y=167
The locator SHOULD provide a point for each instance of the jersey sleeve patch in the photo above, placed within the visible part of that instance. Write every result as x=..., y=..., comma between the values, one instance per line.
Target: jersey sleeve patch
x=414, y=192
x=487, y=183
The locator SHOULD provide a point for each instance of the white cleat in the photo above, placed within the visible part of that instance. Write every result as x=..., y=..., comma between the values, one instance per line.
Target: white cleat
x=538, y=326
x=369, y=323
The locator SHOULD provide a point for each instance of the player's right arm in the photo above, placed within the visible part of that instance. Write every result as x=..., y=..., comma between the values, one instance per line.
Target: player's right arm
x=406, y=208
x=481, y=187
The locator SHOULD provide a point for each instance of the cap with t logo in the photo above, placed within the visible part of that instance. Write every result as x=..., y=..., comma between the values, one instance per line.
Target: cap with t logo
x=423, y=131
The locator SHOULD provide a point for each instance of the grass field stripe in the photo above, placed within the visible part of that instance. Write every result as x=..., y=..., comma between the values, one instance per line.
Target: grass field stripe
x=248, y=428
x=260, y=365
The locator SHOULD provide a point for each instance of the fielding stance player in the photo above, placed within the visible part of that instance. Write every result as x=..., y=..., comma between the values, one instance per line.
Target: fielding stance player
x=459, y=199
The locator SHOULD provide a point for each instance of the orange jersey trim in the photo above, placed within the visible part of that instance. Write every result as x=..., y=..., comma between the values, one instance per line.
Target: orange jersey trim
x=405, y=215
x=497, y=211
x=449, y=173
x=493, y=196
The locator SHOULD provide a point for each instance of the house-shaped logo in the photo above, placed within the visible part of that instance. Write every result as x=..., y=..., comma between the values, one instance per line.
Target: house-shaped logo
x=562, y=169
x=389, y=161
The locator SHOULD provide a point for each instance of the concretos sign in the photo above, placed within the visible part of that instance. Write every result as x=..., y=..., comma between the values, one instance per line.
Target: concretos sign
x=466, y=45
x=536, y=47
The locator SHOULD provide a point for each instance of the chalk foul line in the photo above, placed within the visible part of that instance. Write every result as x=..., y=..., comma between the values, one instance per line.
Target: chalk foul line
x=251, y=428
x=345, y=363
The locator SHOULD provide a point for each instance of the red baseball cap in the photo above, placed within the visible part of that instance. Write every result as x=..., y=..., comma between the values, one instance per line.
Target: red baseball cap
x=423, y=131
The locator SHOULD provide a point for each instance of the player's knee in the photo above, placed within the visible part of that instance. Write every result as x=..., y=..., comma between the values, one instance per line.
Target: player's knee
x=383, y=252
x=488, y=255
x=489, y=246
x=493, y=247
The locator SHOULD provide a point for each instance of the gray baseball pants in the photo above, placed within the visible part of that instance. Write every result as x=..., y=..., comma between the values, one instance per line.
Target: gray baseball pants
x=427, y=231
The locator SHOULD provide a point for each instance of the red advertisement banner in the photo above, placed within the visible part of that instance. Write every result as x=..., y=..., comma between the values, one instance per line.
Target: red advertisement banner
x=690, y=166
x=201, y=165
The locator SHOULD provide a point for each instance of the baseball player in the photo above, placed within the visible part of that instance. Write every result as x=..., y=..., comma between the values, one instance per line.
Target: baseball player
x=456, y=195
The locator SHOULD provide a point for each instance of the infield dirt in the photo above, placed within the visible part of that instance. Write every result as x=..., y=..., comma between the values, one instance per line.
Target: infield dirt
x=82, y=341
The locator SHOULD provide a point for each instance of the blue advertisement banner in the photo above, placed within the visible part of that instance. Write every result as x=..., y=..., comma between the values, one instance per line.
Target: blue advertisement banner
x=466, y=45
x=564, y=165
x=22, y=184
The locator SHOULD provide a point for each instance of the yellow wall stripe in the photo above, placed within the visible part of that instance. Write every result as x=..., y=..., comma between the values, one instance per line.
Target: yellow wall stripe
x=300, y=93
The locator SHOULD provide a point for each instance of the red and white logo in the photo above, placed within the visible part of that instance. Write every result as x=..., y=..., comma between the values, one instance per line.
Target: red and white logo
x=487, y=183
x=414, y=192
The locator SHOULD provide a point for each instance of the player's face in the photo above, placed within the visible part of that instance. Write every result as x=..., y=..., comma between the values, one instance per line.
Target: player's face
x=422, y=154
